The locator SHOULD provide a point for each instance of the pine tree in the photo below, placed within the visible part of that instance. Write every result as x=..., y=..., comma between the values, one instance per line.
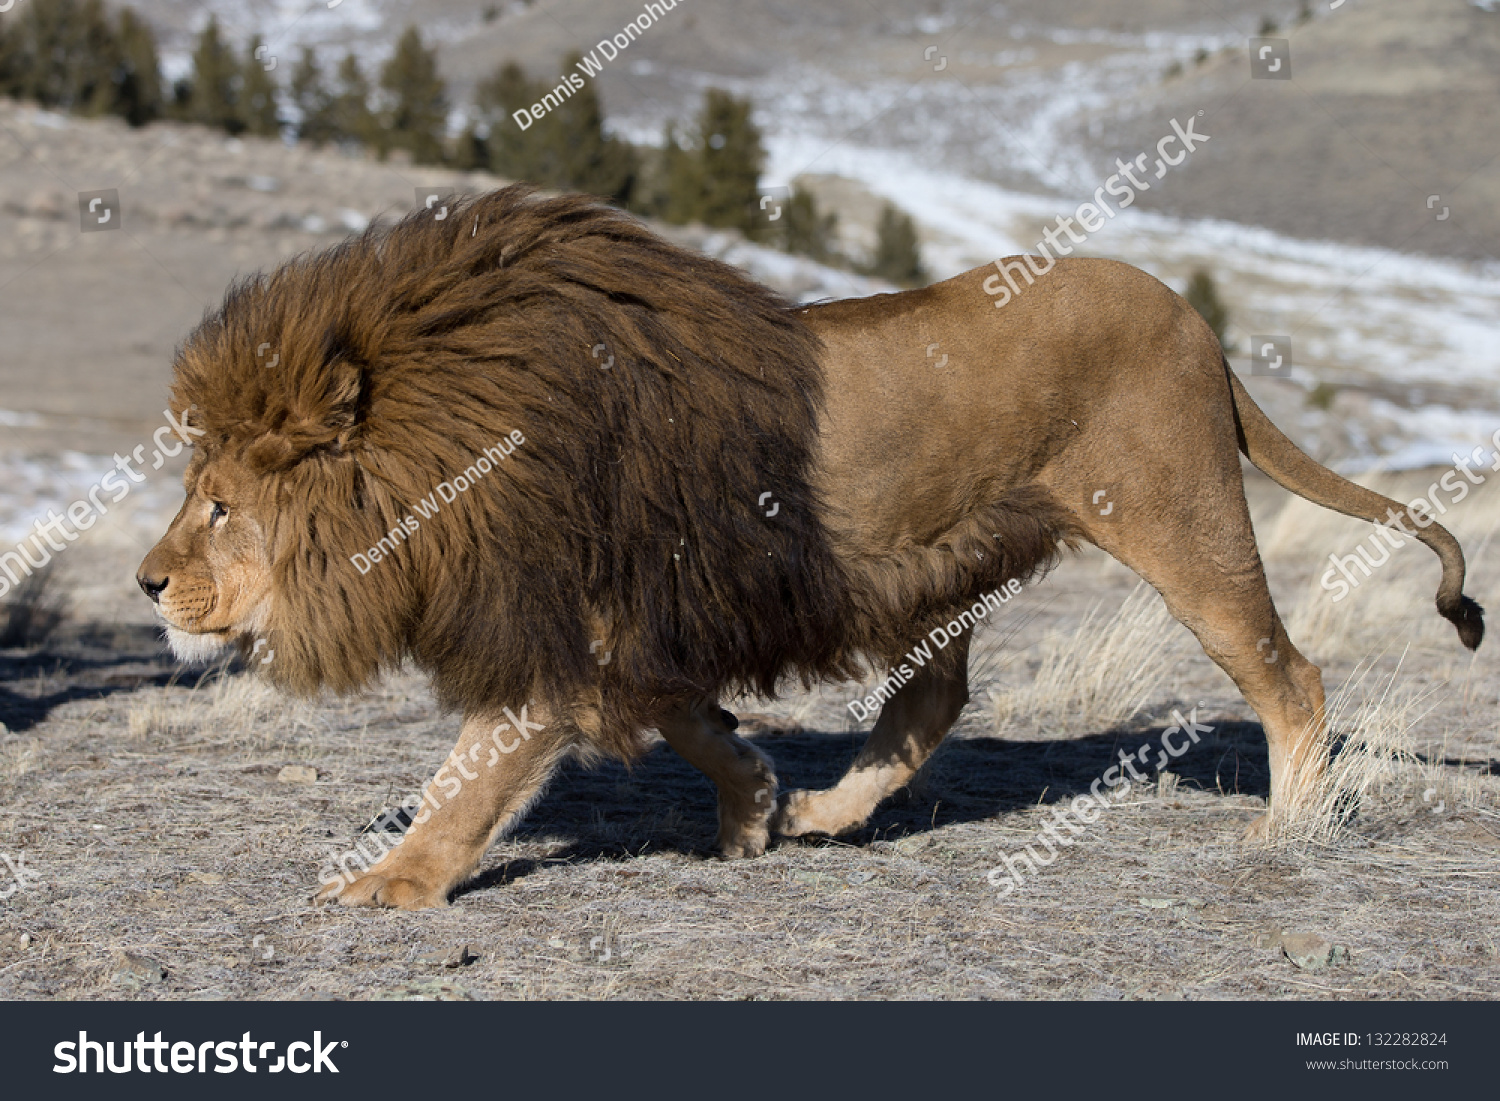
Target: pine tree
x=1203, y=296
x=350, y=119
x=567, y=148
x=417, y=117
x=96, y=63
x=805, y=230
x=63, y=54
x=258, y=107
x=138, y=96
x=591, y=160
x=44, y=45
x=311, y=99
x=680, y=180
x=512, y=153
x=717, y=181
x=12, y=58
x=472, y=151
x=214, y=95
x=898, y=255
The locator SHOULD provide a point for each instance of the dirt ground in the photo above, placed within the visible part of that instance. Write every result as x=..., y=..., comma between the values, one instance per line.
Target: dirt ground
x=168, y=851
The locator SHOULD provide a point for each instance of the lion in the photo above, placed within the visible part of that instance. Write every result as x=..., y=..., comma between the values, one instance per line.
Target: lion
x=594, y=484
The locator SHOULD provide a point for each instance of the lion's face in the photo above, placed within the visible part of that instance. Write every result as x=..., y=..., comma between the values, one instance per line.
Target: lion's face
x=210, y=575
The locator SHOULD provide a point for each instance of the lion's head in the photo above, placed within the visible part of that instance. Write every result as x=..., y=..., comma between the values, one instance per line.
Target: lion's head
x=654, y=400
x=210, y=575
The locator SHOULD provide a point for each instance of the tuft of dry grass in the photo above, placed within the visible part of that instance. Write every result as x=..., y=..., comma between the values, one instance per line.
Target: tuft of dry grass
x=34, y=610
x=1377, y=761
x=1099, y=676
x=234, y=707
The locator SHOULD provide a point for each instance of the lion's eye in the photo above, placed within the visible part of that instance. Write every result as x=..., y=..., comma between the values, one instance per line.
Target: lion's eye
x=218, y=514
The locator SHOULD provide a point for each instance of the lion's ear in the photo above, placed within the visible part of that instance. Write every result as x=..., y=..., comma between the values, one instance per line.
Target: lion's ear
x=322, y=416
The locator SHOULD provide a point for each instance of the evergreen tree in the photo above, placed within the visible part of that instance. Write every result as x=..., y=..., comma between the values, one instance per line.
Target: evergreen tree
x=898, y=255
x=214, y=93
x=350, y=119
x=311, y=100
x=258, y=107
x=715, y=177
x=566, y=149
x=62, y=55
x=70, y=54
x=1203, y=296
x=591, y=160
x=138, y=98
x=680, y=180
x=416, y=118
x=805, y=230
x=472, y=152
x=512, y=153
x=98, y=63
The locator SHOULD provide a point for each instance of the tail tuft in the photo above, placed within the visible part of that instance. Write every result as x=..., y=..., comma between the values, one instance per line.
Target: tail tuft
x=1468, y=617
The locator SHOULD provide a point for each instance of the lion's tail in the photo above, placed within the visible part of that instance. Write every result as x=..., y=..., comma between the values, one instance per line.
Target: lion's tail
x=1291, y=468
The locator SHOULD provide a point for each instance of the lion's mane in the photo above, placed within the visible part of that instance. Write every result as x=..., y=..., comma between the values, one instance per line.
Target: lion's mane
x=352, y=382
x=632, y=513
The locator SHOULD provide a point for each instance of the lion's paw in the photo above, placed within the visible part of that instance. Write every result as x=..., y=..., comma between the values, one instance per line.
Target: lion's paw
x=744, y=843
x=379, y=890
x=797, y=815
x=745, y=831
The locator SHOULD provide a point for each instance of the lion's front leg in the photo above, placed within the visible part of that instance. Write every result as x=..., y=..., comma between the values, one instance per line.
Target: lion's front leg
x=701, y=733
x=492, y=775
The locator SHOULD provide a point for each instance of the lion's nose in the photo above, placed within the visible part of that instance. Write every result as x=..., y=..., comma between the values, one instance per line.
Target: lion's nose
x=152, y=588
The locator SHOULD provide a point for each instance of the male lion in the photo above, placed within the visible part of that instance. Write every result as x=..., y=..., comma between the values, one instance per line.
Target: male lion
x=704, y=492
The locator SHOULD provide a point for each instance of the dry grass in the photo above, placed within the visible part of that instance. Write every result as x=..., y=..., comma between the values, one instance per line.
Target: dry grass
x=1099, y=676
x=1378, y=762
x=236, y=708
x=33, y=610
x=158, y=819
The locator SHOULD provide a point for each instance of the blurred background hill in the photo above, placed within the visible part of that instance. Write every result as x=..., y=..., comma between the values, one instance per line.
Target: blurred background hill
x=1354, y=208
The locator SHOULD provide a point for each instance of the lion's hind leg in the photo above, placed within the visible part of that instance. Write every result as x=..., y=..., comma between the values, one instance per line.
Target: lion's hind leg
x=701, y=734
x=1208, y=570
x=911, y=725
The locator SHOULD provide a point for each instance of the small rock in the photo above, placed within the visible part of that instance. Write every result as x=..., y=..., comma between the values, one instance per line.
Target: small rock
x=454, y=957
x=134, y=972
x=818, y=879
x=1312, y=952
x=423, y=990
x=297, y=774
x=1268, y=937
